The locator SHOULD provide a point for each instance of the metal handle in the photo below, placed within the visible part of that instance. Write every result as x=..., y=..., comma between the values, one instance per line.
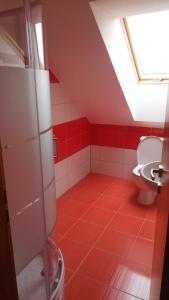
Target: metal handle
x=159, y=185
x=55, y=146
x=164, y=171
x=160, y=171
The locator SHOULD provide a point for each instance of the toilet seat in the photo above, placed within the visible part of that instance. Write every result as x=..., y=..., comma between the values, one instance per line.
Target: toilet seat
x=149, y=149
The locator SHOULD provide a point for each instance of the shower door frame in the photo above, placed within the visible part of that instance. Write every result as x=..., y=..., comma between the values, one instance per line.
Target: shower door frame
x=8, y=272
x=8, y=284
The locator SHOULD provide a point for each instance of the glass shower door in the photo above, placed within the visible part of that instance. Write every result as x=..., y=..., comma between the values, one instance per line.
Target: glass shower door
x=26, y=145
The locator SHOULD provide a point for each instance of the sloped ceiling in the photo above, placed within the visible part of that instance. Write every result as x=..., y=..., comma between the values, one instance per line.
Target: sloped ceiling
x=78, y=56
x=6, y=5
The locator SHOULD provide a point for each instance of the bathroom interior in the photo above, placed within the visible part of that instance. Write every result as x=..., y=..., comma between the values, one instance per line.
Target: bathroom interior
x=84, y=150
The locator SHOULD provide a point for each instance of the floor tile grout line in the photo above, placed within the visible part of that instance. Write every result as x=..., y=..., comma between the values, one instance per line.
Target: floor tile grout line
x=137, y=237
x=92, y=247
x=103, y=226
x=115, y=212
x=90, y=205
x=103, y=230
x=128, y=294
x=122, y=213
x=107, y=285
x=104, y=251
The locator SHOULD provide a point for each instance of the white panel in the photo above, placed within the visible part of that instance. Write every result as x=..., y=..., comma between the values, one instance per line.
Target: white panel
x=74, y=177
x=108, y=168
x=47, y=157
x=95, y=152
x=71, y=170
x=43, y=97
x=128, y=170
x=85, y=154
x=64, y=112
x=57, y=94
x=106, y=153
x=17, y=105
x=58, y=114
x=22, y=174
x=112, y=169
x=61, y=186
x=112, y=154
x=50, y=207
x=113, y=161
x=86, y=168
x=74, y=161
x=118, y=155
x=61, y=169
x=131, y=156
x=27, y=235
x=22, y=166
x=95, y=165
x=78, y=166
x=72, y=111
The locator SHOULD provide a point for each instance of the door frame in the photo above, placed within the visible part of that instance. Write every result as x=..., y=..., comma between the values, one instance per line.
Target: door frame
x=164, y=292
x=8, y=283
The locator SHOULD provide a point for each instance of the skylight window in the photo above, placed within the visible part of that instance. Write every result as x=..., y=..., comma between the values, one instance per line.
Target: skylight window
x=149, y=44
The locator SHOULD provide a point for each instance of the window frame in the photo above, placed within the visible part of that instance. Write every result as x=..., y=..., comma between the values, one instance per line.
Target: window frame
x=135, y=62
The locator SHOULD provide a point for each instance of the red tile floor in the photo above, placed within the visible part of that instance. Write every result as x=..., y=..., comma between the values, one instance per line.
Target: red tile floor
x=106, y=238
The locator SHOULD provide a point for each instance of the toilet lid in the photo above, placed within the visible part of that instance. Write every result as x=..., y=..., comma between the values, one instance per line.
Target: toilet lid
x=149, y=149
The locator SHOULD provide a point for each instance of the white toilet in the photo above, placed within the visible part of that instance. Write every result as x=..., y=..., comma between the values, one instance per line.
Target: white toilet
x=148, y=150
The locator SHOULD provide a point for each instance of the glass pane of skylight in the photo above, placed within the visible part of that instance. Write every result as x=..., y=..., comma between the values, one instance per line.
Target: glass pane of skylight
x=150, y=39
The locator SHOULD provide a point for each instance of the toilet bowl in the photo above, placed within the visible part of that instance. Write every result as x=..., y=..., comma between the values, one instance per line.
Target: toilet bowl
x=149, y=149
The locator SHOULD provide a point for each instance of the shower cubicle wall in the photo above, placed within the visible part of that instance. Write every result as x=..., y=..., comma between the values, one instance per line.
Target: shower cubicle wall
x=26, y=142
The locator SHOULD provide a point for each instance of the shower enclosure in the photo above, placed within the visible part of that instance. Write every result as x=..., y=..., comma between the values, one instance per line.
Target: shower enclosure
x=27, y=151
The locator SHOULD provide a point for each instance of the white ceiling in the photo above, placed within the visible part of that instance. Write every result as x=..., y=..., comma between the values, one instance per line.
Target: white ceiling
x=79, y=58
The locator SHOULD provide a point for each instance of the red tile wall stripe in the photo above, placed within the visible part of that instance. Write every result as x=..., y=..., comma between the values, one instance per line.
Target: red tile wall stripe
x=72, y=137
x=77, y=134
x=52, y=77
x=118, y=136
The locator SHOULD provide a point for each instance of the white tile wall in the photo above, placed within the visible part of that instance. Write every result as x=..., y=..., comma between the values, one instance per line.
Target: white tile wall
x=71, y=170
x=63, y=108
x=113, y=161
x=105, y=160
x=57, y=94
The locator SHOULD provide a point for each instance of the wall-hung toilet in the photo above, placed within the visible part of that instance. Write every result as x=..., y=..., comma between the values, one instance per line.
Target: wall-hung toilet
x=149, y=150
